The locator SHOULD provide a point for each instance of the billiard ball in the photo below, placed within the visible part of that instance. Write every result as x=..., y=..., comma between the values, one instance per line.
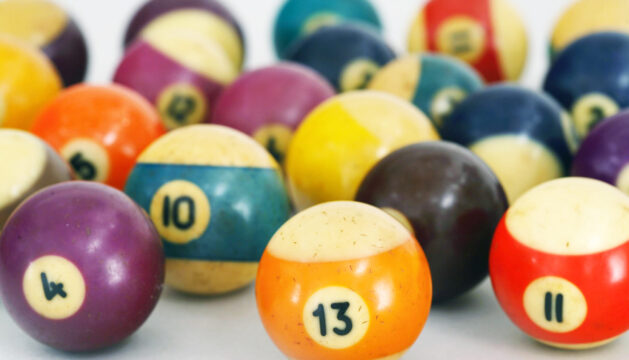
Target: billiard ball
x=206, y=17
x=192, y=73
x=578, y=21
x=604, y=154
x=452, y=202
x=43, y=24
x=433, y=83
x=487, y=34
x=299, y=18
x=522, y=135
x=269, y=103
x=216, y=197
x=346, y=55
x=28, y=81
x=36, y=167
x=558, y=263
x=81, y=266
x=343, y=280
x=339, y=141
x=587, y=78
x=204, y=24
x=99, y=130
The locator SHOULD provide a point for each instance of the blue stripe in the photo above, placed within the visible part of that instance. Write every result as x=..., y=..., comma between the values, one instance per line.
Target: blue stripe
x=247, y=206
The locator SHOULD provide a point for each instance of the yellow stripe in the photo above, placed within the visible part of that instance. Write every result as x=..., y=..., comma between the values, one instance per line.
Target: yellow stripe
x=208, y=145
x=196, y=52
x=200, y=22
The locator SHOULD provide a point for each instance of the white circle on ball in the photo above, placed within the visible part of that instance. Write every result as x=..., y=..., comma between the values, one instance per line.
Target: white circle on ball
x=336, y=317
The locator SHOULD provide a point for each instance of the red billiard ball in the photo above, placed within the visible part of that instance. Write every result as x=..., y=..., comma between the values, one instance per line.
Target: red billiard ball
x=559, y=263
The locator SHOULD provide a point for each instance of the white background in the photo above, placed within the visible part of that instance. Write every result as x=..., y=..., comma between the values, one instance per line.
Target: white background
x=228, y=327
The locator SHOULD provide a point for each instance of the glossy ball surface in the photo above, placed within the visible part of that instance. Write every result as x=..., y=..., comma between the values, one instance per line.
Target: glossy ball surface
x=99, y=130
x=577, y=21
x=192, y=73
x=337, y=144
x=436, y=84
x=487, y=34
x=452, y=202
x=216, y=197
x=29, y=81
x=36, y=166
x=204, y=17
x=269, y=103
x=45, y=25
x=299, y=18
x=346, y=55
x=587, y=78
x=558, y=263
x=522, y=135
x=338, y=279
x=81, y=266
x=604, y=154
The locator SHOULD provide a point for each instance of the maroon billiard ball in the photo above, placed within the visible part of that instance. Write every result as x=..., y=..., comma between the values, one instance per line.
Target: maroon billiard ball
x=269, y=103
x=181, y=75
x=450, y=199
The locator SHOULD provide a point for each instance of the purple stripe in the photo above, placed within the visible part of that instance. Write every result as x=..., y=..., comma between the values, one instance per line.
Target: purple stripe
x=148, y=71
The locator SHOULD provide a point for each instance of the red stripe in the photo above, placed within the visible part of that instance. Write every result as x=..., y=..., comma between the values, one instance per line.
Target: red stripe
x=438, y=11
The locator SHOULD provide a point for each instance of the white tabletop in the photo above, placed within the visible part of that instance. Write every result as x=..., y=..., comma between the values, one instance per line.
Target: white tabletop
x=228, y=328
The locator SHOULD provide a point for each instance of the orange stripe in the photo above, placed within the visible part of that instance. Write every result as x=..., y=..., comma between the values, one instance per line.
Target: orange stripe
x=283, y=287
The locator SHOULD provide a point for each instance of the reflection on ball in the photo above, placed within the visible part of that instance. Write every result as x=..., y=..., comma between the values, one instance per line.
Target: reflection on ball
x=558, y=263
x=338, y=279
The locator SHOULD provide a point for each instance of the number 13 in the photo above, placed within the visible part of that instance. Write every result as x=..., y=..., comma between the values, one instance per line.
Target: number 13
x=341, y=310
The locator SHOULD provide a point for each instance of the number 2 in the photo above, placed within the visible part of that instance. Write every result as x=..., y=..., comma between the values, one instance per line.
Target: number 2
x=341, y=311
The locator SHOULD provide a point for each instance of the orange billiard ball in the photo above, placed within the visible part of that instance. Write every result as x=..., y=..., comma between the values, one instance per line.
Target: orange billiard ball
x=343, y=280
x=559, y=263
x=99, y=130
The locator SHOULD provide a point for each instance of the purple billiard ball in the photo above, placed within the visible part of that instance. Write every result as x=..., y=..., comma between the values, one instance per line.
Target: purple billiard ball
x=81, y=266
x=269, y=103
x=604, y=154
